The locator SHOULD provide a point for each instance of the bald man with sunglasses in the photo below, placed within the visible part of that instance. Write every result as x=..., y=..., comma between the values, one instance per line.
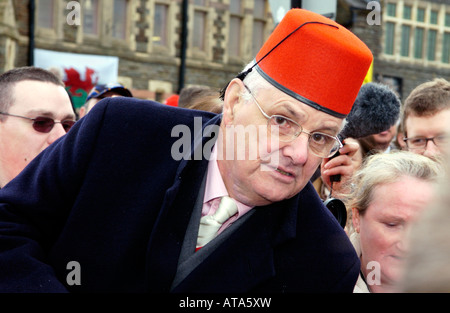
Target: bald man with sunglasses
x=35, y=110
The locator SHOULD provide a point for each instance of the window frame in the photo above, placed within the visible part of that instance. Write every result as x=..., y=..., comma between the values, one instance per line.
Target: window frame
x=55, y=32
x=432, y=27
x=99, y=22
x=194, y=52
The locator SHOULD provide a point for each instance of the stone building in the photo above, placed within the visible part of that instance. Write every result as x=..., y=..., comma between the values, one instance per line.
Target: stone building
x=410, y=40
x=159, y=53
x=414, y=43
x=146, y=35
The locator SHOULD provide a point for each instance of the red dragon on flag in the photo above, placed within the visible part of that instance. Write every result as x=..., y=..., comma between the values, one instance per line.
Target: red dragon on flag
x=78, y=88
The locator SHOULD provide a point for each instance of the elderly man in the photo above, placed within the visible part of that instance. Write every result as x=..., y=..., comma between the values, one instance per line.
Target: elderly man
x=120, y=205
x=35, y=111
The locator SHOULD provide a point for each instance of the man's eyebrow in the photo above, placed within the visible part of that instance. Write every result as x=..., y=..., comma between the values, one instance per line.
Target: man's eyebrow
x=294, y=114
x=300, y=117
x=39, y=112
x=335, y=129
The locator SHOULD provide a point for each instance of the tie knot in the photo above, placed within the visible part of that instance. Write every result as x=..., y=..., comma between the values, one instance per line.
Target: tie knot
x=210, y=224
x=227, y=208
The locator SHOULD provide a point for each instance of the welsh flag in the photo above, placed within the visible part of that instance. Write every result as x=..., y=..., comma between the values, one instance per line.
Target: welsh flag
x=80, y=72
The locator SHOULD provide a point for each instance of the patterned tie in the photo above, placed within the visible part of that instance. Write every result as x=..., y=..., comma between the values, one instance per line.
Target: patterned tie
x=210, y=224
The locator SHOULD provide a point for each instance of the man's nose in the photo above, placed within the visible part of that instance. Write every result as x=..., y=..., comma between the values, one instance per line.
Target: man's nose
x=56, y=132
x=298, y=149
x=431, y=149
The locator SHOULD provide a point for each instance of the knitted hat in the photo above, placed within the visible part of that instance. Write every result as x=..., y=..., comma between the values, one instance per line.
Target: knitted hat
x=316, y=61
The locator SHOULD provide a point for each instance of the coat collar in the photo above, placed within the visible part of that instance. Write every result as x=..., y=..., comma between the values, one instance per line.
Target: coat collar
x=170, y=227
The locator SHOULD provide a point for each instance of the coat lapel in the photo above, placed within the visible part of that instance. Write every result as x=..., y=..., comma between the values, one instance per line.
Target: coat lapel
x=245, y=257
x=168, y=233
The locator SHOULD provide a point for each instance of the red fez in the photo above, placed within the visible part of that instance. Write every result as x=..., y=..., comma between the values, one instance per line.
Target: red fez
x=316, y=61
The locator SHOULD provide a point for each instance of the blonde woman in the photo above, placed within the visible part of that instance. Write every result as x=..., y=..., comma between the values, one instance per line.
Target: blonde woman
x=390, y=191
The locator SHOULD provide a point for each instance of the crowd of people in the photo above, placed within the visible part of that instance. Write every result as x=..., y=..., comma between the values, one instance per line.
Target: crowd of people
x=106, y=192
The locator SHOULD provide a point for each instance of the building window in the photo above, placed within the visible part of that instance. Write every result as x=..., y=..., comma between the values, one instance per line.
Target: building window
x=418, y=43
x=45, y=9
x=431, y=45
x=446, y=48
x=199, y=30
x=200, y=23
x=389, y=41
x=406, y=35
x=434, y=17
x=418, y=32
x=391, y=9
x=420, y=15
x=235, y=30
x=91, y=17
x=259, y=13
x=119, y=25
x=407, y=12
x=160, y=24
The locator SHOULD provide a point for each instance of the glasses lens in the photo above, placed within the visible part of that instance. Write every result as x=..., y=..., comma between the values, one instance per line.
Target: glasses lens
x=441, y=140
x=285, y=128
x=333, y=150
x=43, y=124
x=323, y=145
x=417, y=143
x=67, y=125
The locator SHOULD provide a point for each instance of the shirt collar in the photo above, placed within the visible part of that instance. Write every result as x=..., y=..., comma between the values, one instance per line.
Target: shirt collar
x=215, y=186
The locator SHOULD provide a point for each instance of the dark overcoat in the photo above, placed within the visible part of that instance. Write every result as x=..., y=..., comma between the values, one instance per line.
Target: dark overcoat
x=106, y=209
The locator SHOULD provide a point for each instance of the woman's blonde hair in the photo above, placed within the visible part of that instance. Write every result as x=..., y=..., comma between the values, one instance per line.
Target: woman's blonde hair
x=386, y=168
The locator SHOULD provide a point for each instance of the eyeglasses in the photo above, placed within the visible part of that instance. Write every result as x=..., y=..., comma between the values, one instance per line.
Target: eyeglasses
x=420, y=143
x=321, y=145
x=44, y=124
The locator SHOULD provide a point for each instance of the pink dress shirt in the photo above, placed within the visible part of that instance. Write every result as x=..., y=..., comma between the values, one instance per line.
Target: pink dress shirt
x=215, y=189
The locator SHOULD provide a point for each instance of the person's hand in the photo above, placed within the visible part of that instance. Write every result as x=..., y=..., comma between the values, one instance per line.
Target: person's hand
x=345, y=164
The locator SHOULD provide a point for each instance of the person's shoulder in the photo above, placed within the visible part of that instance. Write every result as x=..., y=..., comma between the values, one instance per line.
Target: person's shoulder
x=129, y=117
x=314, y=214
x=139, y=109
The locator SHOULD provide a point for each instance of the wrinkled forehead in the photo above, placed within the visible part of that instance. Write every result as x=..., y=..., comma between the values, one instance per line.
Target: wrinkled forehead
x=277, y=102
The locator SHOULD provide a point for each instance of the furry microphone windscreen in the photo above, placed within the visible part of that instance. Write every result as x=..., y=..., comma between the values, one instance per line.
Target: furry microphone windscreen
x=375, y=110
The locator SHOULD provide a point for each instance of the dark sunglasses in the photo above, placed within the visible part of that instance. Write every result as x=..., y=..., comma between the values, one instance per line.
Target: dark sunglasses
x=44, y=124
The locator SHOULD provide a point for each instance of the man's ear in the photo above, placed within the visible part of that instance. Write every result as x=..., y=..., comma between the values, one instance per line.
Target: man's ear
x=82, y=111
x=231, y=99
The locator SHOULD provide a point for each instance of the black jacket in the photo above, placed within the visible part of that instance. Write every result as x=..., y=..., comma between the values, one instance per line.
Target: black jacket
x=109, y=196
